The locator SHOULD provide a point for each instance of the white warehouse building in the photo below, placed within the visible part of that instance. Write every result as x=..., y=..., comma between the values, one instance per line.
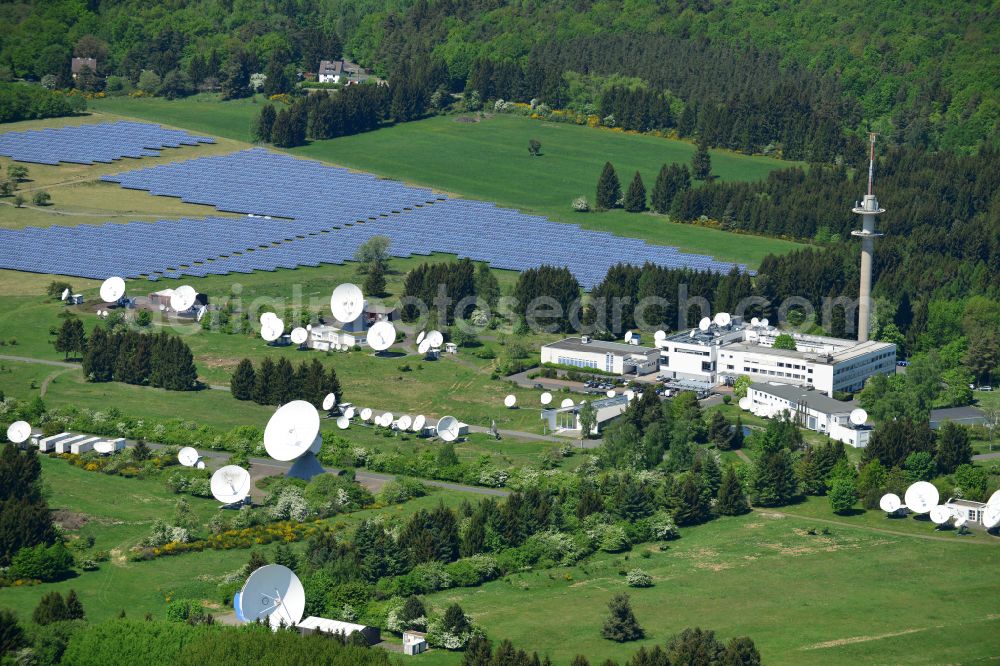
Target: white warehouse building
x=618, y=358
x=719, y=354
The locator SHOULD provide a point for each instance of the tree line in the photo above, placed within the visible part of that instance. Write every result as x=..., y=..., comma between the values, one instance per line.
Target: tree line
x=460, y=283
x=276, y=383
x=160, y=360
x=23, y=102
x=351, y=110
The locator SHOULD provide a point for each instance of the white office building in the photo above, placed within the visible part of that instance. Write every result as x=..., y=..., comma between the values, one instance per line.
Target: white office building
x=719, y=354
x=618, y=358
x=809, y=409
x=561, y=419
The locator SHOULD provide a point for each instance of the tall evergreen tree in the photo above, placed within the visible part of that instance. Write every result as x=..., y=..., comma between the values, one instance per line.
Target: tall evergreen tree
x=741, y=651
x=774, y=481
x=264, y=125
x=732, y=501
x=99, y=360
x=51, y=608
x=375, y=281
x=243, y=381
x=11, y=634
x=635, y=196
x=283, y=383
x=663, y=194
x=621, y=625
x=71, y=338
x=609, y=189
x=953, y=447
x=263, y=389
x=701, y=162
x=74, y=608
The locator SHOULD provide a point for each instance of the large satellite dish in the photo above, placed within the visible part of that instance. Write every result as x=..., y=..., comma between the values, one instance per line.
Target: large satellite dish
x=343, y=423
x=546, y=398
x=994, y=499
x=381, y=335
x=273, y=592
x=859, y=416
x=447, y=428
x=230, y=484
x=921, y=497
x=266, y=317
x=510, y=401
x=329, y=401
x=299, y=335
x=991, y=516
x=18, y=431
x=291, y=430
x=183, y=298
x=704, y=324
x=112, y=289
x=765, y=323
x=754, y=322
x=940, y=514
x=201, y=313
x=387, y=419
x=423, y=347
x=890, y=503
x=404, y=422
x=436, y=338
x=347, y=302
x=272, y=329
x=418, y=423
x=567, y=402
x=420, y=336
x=200, y=464
x=188, y=456
x=366, y=414
x=746, y=403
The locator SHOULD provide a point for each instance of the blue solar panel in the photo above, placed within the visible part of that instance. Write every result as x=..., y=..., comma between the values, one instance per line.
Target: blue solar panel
x=304, y=213
x=87, y=144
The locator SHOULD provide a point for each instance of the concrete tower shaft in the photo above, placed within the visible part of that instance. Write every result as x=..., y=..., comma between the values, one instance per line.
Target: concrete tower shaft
x=868, y=209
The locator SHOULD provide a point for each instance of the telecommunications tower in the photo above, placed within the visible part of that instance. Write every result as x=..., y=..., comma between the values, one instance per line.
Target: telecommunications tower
x=867, y=208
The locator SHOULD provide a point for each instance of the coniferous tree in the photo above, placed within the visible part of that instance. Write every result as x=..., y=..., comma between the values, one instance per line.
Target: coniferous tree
x=732, y=500
x=375, y=281
x=71, y=337
x=694, y=646
x=74, y=608
x=621, y=625
x=701, y=162
x=333, y=385
x=718, y=429
x=455, y=621
x=953, y=447
x=741, y=651
x=478, y=652
x=662, y=196
x=774, y=481
x=263, y=389
x=283, y=383
x=692, y=505
x=99, y=360
x=635, y=196
x=141, y=451
x=51, y=608
x=243, y=381
x=11, y=634
x=609, y=189
x=264, y=125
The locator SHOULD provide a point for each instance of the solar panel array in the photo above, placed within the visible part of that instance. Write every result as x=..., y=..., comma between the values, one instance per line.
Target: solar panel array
x=100, y=142
x=305, y=213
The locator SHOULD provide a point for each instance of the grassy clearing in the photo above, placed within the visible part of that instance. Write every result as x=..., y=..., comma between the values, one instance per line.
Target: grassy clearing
x=804, y=599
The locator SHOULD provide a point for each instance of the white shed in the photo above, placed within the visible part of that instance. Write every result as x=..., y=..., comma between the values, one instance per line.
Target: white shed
x=414, y=642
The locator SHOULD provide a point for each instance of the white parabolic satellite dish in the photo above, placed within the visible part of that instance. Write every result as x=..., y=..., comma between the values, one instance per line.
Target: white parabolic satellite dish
x=660, y=336
x=349, y=412
x=994, y=499
x=419, y=422
x=859, y=416
x=183, y=298
x=940, y=514
x=104, y=448
x=266, y=317
x=420, y=336
x=291, y=430
x=424, y=346
x=343, y=423
x=381, y=335
x=436, y=338
x=610, y=393
x=230, y=484
x=347, y=302
x=404, y=422
x=273, y=592
x=112, y=289
x=961, y=518
x=65, y=294
x=510, y=401
x=299, y=335
x=447, y=428
x=546, y=398
x=704, y=324
x=890, y=503
x=272, y=329
x=567, y=402
x=745, y=403
x=188, y=456
x=329, y=401
x=991, y=516
x=921, y=497
x=628, y=336
x=18, y=431
x=366, y=414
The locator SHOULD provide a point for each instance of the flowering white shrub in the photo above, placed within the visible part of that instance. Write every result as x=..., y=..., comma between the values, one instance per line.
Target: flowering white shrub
x=662, y=526
x=581, y=205
x=638, y=578
x=290, y=505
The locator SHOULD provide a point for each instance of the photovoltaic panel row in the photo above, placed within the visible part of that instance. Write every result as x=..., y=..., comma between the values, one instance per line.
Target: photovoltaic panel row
x=99, y=142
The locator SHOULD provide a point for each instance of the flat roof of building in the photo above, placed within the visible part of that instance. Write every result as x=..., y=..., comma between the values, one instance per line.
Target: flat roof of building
x=815, y=400
x=968, y=414
x=330, y=626
x=857, y=350
x=968, y=503
x=599, y=346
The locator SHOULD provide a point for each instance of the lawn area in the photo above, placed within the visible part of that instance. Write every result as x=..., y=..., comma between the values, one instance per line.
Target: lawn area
x=841, y=598
x=489, y=160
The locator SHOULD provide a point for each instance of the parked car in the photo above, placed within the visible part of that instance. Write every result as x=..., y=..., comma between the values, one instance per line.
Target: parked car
x=902, y=364
x=985, y=388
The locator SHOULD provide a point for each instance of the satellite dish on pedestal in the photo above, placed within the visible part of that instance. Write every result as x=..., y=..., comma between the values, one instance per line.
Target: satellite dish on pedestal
x=230, y=484
x=104, y=448
x=188, y=456
x=765, y=323
x=366, y=414
x=347, y=302
x=65, y=294
x=387, y=419
x=704, y=324
x=510, y=401
x=349, y=412
x=201, y=313
x=890, y=503
x=183, y=298
x=991, y=516
x=329, y=401
x=404, y=422
x=994, y=499
x=921, y=497
x=436, y=338
x=722, y=319
x=859, y=416
x=546, y=398
x=418, y=423
x=567, y=402
x=659, y=336
x=112, y=289
x=299, y=335
x=18, y=431
x=940, y=514
x=745, y=403
x=420, y=336
x=628, y=336
x=754, y=322
x=447, y=428
x=423, y=347
x=273, y=593
x=291, y=430
x=381, y=335
x=343, y=423
x=272, y=330
x=200, y=464
x=961, y=518
x=266, y=317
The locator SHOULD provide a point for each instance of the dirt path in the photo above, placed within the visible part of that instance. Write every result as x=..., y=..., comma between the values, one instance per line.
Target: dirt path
x=743, y=456
x=52, y=375
x=39, y=361
x=929, y=537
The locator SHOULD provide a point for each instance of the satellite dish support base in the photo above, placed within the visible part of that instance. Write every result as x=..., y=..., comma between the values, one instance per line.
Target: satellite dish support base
x=305, y=467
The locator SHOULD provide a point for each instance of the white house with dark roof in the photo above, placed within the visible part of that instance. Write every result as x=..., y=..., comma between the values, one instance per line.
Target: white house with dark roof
x=809, y=409
x=340, y=71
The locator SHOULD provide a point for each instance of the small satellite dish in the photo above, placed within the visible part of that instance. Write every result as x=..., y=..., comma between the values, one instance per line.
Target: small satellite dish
x=230, y=484
x=660, y=336
x=275, y=593
x=745, y=404
x=162, y=307
x=424, y=346
x=447, y=428
x=940, y=514
x=112, y=289
x=510, y=401
x=200, y=464
x=104, y=448
x=188, y=456
x=347, y=302
x=991, y=516
x=961, y=518
x=418, y=423
x=567, y=402
x=859, y=416
x=436, y=338
x=629, y=395
x=765, y=323
x=921, y=497
x=610, y=393
x=201, y=313
x=183, y=298
x=329, y=401
x=349, y=412
x=299, y=335
x=723, y=319
x=628, y=336
x=691, y=334
x=266, y=317
x=18, y=431
x=343, y=422
x=291, y=430
x=366, y=414
x=754, y=322
x=704, y=324
x=546, y=398
x=65, y=294
x=381, y=335
x=387, y=419
x=890, y=503
x=404, y=422
x=420, y=336
x=272, y=330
